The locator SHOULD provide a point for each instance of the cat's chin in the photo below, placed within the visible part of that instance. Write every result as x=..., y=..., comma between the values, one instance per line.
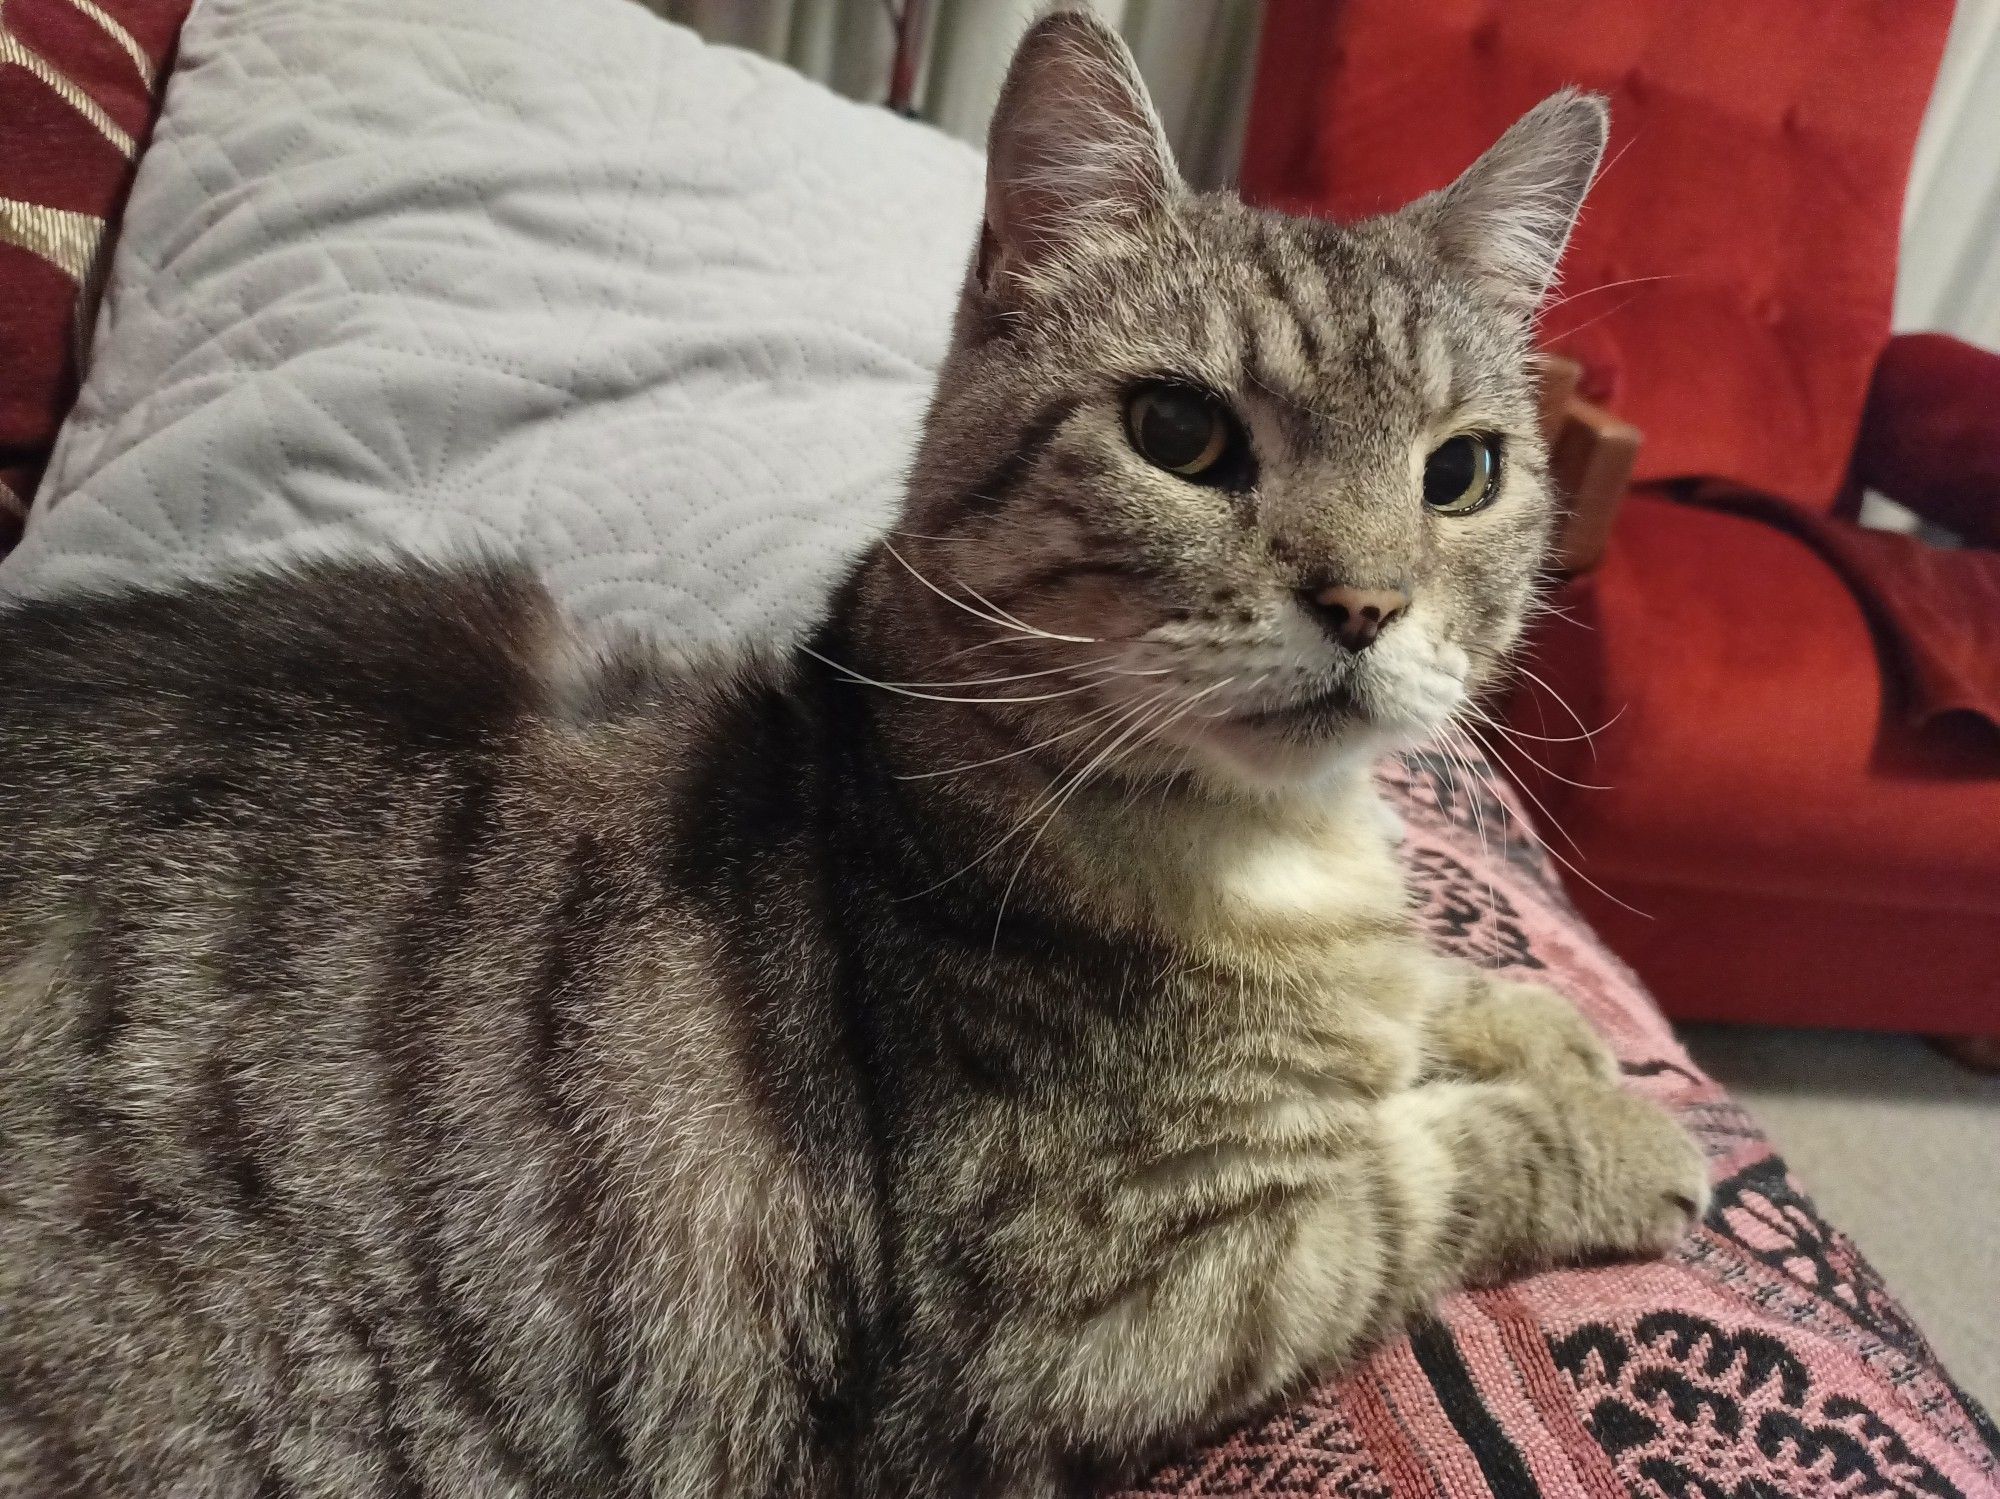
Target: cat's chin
x=1267, y=759
x=1398, y=696
x=1309, y=747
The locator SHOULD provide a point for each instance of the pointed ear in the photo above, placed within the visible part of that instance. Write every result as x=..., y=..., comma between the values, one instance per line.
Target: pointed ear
x=1074, y=148
x=1507, y=219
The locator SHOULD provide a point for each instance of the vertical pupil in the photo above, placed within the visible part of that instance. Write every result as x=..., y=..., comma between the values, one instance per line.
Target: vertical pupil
x=1455, y=468
x=1176, y=430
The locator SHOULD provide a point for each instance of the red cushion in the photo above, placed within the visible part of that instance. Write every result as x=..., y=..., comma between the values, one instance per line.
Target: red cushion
x=1752, y=747
x=1757, y=163
x=1752, y=766
x=1931, y=436
x=77, y=86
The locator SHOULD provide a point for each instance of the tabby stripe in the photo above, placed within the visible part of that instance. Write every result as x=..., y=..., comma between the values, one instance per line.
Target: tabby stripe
x=121, y=1204
x=1285, y=292
x=572, y=941
x=1437, y=1355
x=403, y=1023
x=573, y=949
x=1413, y=340
x=1472, y=1176
x=101, y=1016
x=228, y=1140
x=1059, y=572
x=848, y=754
x=991, y=492
x=1394, y=1225
x=1533, y=1164
x=1176, y=1239
x=392, y=1434
x=256, y=981
x=31, y=1418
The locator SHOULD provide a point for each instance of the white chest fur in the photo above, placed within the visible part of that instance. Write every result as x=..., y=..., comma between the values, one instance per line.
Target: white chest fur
x=1313, y=873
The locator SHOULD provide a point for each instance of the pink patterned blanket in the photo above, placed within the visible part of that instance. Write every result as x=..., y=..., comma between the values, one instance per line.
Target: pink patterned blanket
x=1764, y=1361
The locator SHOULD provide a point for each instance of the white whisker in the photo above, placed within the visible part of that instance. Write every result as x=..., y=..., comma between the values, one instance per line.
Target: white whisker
x=1543, y=844
x=1522, y=750
x=934, y=697
x=1148, y=721
x=1000, y=618
x=1096, y=717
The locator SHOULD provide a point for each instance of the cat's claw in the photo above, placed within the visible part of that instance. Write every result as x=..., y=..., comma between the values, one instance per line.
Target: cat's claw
x=1646, y=1180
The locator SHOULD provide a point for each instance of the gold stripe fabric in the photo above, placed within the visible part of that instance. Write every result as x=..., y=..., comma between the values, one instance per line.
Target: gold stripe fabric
x=16, y=52
x=127, y=43
x=68, y=241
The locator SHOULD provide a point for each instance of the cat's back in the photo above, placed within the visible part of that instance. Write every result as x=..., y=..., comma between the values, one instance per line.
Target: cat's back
x=102, y=688
x=356, y=1030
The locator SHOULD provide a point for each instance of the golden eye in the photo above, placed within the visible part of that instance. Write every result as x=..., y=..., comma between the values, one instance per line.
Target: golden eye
x=1186, y=432
x=1463, y=473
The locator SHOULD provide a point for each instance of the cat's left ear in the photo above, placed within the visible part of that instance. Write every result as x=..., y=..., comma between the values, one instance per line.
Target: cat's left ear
x=1074, y=149
x=1506, y=220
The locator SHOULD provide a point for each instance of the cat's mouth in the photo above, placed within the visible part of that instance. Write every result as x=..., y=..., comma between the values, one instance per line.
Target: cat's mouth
x=1330, y=708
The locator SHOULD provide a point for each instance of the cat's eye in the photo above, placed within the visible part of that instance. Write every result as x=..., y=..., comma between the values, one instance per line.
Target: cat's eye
x=1185, y=431
x=1462, y=473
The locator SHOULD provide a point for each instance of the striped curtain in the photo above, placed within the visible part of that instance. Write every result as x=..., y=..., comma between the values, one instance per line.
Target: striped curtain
x=1197, y=56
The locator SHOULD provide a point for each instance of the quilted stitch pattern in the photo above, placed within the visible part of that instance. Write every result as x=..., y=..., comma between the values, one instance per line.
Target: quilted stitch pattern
x=555, y=281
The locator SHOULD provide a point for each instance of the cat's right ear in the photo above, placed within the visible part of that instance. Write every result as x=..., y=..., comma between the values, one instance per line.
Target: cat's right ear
x=1074, y=149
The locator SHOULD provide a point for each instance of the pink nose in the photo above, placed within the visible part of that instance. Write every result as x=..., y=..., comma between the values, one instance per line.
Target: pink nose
x=1355, y=616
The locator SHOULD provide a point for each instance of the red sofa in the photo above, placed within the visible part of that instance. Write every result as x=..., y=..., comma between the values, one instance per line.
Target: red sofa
x=1801, y=721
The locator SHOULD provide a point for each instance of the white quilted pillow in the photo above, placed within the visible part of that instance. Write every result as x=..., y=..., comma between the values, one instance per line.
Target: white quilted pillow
x=547, y=277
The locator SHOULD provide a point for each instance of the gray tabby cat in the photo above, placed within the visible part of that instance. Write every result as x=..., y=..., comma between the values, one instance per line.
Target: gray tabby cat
x=970, y=1055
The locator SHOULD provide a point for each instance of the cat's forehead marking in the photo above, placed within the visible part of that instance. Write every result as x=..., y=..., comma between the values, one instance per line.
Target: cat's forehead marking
x=1434, y=368
x=1390, y=311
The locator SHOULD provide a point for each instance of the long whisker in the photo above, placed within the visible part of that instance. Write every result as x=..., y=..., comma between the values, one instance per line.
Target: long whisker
x=1298, y=404
x=1555, y=338
x=1455, y=755
x=1089, y=720
x=1540, y=606
x=1075, y=783
x=1553, y=853
x=1128, y=711
x=1602, y=286
x=1144, y=725
x=1456, y=749
x=1518, y=733
x=1523, y=751
x=1019, y=676
x=1561, y=702
x=934, y=697
x=1000, y=618
x=1016, y=620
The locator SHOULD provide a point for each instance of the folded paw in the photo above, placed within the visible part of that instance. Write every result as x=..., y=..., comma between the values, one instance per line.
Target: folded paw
x=1506, y=1031
x=1641, y=1180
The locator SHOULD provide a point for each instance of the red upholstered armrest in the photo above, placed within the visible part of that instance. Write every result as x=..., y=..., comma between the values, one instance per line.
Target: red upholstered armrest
x=1930, y=438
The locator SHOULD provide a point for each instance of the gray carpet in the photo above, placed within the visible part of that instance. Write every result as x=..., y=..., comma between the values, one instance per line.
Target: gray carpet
x=1901, y=1148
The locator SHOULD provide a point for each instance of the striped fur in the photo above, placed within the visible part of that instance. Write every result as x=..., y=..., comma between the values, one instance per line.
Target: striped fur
x=964, y=1056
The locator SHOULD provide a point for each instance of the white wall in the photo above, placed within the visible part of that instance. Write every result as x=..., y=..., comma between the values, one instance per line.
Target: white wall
x=1949, y=277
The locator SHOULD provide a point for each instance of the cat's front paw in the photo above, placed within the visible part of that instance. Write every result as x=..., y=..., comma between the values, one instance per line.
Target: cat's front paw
x=1515, y=1032
x=1642, y=1182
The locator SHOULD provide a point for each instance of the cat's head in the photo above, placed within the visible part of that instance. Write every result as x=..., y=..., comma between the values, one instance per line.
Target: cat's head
x=1209, y=486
